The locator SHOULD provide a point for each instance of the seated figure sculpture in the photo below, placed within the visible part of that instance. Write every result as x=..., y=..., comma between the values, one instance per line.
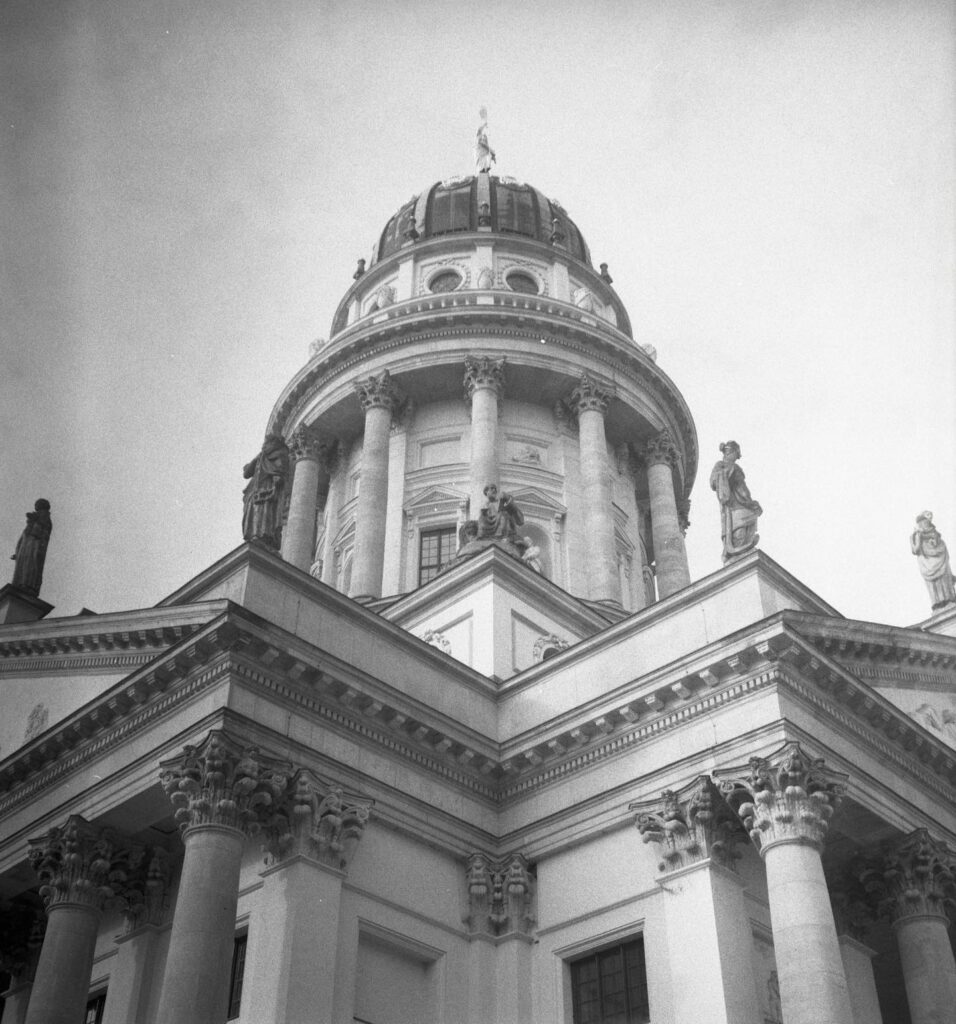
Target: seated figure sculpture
x=496, y=526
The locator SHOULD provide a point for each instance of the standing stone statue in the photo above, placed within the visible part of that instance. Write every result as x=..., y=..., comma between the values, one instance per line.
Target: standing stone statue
x=31, y=549
x=933, y=560
x=738, y=511
x=484, y=154
x=263, y=500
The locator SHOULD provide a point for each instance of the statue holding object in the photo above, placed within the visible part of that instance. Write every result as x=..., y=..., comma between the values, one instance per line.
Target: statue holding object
x=263, y=500
x=738, y=511
x=31, y=548
x=484, y=154
x=933, y=560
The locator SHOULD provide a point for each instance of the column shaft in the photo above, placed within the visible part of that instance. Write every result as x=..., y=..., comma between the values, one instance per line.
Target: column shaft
x=16, y=1001
x=369, y=552
x=929, y=971
x=298, y=538
x=394, y=515
x=484, y=450
x=62, y=980
x=196, y=979
x=813, y=987
x=603, y=581
x=131, y=977
x=669, y=552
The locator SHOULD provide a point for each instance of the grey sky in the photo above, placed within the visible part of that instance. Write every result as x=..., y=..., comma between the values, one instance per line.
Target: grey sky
x=186, y=188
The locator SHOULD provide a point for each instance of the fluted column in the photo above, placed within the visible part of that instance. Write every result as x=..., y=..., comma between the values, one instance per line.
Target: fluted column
x=298, y=537
x=670, y=555
x=221, y=792
x=80, y=867
x=379, y=399
x=484, y=383
x=707, y=920
x=911, y=887
x=589, y=402
x=290, y=962
x=788, y=801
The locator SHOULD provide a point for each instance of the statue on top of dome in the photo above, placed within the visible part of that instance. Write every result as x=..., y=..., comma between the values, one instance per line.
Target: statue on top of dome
x=484, y=154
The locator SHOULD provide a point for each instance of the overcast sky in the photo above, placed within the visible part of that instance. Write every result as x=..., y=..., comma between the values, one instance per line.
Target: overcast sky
x=186, y=188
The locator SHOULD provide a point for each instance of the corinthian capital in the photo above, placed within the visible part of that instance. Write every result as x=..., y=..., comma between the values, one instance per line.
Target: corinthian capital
x=317, y=820
x=789, y=797
x=377, y=392
x=660, y=450
x=484, y=372
x=305, y=444
x=219, y=782
x=587, y=395
x=690, y=825
x=81, y=864
x=500, y=895
x=912, y=877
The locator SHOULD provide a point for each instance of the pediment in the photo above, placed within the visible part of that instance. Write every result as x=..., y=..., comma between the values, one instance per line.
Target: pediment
x=430, y=497
x=535, y=500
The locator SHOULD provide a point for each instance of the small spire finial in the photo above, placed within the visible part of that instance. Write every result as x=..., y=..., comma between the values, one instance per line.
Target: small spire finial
x=484, y=154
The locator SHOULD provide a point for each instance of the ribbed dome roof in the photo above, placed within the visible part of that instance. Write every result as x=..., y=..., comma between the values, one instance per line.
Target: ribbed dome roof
x=478, y=202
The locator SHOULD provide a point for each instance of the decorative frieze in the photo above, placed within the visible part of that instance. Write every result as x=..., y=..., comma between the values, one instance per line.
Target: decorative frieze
x=317, y=820
x=587, y=395
x=220, y=782
x=377, y=392
x=913, y=877
x=660, y=450
x=691, y=825
x=484, y=372
x=500, y=895
x=789, y=797
x=80, y=864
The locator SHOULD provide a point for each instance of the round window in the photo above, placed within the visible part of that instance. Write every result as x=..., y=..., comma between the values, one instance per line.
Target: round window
x=521, y=282
x=445, y=281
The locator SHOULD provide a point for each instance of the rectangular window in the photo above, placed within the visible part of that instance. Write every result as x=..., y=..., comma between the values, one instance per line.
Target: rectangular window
x=94, y=1009
x=610, y=986
x=436, y=551
x=235, y=976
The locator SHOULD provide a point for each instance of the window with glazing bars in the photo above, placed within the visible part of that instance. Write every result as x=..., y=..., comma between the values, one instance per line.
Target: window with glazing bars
x=94, y=1009
x=436, y=551
x=235, y=976
x=610, y=986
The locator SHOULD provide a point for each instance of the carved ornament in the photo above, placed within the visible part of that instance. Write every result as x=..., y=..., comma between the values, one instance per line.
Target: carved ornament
x=789, y=797
x=691, y=825
x=913, y=877
x=660, y=450
x=305, y=444
x=377, y=392
x=588, y=395
x=500, y=895
x=484, y=372
x=219, y=782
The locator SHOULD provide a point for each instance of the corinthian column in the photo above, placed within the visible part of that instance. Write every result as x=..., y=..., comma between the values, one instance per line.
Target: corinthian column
x=80, y=867
x=290, y=962
x=911, y=887
x=221, y=793
x=670, y=556
x=298, y=537
x=379, y=399
x=589, y=403
x=706, y=916
x=788, y=801
x=484, y=383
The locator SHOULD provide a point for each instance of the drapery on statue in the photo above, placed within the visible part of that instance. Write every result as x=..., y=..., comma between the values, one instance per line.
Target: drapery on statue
x=933, y=560
x=484, y=154
x=738, y=511
x=31, y=548
x=264, y=497
x=500, y=517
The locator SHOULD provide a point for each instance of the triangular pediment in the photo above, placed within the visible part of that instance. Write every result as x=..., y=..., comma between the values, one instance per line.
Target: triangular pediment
x=431, y=497
x=534, y=499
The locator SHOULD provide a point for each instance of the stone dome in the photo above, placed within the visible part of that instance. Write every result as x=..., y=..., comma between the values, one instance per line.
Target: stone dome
x=482, y=201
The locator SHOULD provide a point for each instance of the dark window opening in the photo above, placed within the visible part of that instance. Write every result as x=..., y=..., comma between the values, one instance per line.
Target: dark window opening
x=516, y=210
x=610, y=986
x=446, y=281
x=235, y=976
x=524, y=283
x=436, y=551
x=94, y=1009
x=451, y=209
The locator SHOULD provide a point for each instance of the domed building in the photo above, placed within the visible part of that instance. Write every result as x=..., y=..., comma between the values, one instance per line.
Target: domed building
x=454, y=736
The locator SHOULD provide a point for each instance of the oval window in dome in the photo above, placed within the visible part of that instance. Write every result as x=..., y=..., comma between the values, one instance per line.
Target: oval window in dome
x=521, y=282
x=445, y=281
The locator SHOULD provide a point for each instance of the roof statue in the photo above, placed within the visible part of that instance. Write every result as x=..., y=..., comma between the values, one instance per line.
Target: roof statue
x=738, y=511
x=264, y=495
x=31, y=548
x=484, y=154
x=933, y=560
